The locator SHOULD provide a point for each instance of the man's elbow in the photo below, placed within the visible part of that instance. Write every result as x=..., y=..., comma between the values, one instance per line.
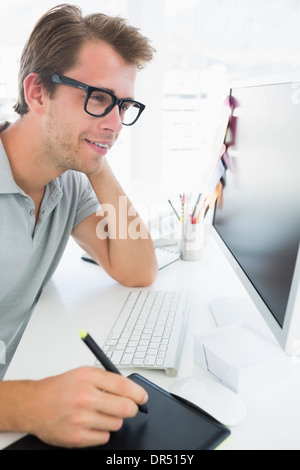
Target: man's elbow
x=146, y=280
x=139, y=278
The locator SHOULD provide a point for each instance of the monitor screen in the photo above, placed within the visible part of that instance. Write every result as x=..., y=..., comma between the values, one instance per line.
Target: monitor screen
x=258, y=216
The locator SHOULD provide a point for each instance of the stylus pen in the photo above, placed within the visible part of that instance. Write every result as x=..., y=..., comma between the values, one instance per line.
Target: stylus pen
x=89, y=260
x=105, y=361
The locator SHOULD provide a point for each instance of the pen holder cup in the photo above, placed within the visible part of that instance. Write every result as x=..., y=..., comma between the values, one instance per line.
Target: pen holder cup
x=191, y=241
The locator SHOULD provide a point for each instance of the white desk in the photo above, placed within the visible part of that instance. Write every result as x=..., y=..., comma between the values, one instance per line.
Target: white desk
x=82, y=296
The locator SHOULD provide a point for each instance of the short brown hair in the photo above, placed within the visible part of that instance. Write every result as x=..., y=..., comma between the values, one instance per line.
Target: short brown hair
x=57, y=38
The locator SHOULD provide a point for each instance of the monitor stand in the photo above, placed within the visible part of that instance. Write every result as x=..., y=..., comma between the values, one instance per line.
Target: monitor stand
x=241, y=352
x=230, y=310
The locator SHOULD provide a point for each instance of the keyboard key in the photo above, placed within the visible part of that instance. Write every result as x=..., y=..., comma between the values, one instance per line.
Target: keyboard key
x=137, y=362
x=127, y=359
x=116, y=357
x=152, y=352
x=149, y=360
x=140, y=355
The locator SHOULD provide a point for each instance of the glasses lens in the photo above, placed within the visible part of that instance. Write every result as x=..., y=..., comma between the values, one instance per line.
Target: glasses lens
x=129, y=112
x=99, y=102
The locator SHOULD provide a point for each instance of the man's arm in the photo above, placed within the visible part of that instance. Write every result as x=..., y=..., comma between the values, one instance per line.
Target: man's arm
x=76, y=409
x=117, y=238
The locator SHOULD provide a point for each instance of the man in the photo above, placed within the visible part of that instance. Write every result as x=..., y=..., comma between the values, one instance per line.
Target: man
x=76, y=90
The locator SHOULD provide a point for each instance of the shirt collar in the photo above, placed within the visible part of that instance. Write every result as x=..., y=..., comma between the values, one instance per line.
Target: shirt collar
x=7, y=182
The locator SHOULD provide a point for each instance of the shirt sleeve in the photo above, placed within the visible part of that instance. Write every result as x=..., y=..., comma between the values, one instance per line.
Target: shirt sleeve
x=87, y=203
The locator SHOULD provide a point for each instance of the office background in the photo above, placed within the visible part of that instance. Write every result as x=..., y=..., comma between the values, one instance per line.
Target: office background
x=202, y=46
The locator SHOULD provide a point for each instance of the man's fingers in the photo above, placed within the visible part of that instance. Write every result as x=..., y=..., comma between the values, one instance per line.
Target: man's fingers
x=119, y=386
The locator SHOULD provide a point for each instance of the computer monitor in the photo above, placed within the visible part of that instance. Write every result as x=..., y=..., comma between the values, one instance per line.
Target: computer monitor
x=257, y=219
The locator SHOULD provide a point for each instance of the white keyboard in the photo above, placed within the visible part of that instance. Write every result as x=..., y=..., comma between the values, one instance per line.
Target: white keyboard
x=149, y=331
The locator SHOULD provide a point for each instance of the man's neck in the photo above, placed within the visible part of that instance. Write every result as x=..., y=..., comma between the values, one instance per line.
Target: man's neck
x=29, y=173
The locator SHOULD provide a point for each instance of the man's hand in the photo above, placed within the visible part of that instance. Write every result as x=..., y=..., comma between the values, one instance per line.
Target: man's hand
x=117, y=238
x=79, y=408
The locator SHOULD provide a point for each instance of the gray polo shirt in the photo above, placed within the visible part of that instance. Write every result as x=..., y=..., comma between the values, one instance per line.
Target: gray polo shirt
x=29, y=251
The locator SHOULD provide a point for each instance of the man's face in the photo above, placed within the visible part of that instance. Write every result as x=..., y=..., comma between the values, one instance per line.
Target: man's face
x=72, y=138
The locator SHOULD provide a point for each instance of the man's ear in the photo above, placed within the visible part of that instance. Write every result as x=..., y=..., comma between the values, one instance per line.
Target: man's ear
x=34, y=92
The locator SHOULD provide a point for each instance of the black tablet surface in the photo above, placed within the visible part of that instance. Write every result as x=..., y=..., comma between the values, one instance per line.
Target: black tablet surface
x=170, y=424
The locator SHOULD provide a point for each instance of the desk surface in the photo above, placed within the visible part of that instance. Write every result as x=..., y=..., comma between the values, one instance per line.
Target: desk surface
x=83, y=296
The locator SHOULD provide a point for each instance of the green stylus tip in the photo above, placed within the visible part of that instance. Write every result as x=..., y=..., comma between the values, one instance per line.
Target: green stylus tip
x=83, y=334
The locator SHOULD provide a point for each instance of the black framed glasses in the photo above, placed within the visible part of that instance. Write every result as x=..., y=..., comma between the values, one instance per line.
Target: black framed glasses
x=99, y=102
